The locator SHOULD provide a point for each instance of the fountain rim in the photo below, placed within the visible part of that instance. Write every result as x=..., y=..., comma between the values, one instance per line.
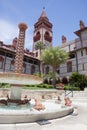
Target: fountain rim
x=24, y=116
x=19, y=78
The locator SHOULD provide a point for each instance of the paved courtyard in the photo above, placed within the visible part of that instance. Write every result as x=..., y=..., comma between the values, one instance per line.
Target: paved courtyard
x=70, y=122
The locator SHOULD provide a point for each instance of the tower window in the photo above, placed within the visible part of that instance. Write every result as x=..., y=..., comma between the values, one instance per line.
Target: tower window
x=47, y=33
x=47, y=37
x=37, y=37
x=38, y=33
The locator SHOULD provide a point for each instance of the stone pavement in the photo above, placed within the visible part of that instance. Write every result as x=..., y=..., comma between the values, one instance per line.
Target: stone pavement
x=70, y=122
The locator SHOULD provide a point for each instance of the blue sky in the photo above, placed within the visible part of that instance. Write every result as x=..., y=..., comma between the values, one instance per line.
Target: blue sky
x=63, y=14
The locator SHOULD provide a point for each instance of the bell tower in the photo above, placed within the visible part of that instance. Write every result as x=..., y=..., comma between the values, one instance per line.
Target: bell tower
x=43, y=31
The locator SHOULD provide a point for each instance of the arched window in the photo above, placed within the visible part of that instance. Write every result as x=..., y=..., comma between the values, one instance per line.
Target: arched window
x=37, y=37
x=47, y=37
x=32, y=69
x=47, y=33
x=38, y=33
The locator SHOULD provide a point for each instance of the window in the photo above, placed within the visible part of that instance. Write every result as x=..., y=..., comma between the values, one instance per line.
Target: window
x=86, y=51
x=47, y=37
x=69, y=66
x=81, y=53
x=12, y=65
x=83, y=66
x=1, y=62
x=72, y=55
x=37, y=37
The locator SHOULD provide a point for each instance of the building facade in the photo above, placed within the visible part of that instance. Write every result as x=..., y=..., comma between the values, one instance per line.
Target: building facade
x=7, y=59
x=77, y=50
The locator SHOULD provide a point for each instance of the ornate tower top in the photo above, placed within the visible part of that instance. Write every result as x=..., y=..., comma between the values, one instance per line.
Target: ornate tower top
x=43, y=21
x=43, y=16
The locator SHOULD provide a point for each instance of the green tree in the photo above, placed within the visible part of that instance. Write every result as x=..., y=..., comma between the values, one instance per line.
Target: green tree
x=54, y=56
x=39, y=46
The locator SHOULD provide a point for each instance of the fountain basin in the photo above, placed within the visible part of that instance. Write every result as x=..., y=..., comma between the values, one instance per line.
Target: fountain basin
x=31, y=115
x=18, y=78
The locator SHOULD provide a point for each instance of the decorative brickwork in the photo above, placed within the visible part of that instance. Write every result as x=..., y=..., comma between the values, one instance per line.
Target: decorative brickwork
x=20, y=48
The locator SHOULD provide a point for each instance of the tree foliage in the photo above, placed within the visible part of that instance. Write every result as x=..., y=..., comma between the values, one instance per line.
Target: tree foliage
x=78, y=80
x=39, y=46
x=54, y=56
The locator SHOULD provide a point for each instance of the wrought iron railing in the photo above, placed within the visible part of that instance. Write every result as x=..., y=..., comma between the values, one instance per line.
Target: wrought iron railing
x=68, y=92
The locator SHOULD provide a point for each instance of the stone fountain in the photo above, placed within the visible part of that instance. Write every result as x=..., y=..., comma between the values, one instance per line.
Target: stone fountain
x=16, y=79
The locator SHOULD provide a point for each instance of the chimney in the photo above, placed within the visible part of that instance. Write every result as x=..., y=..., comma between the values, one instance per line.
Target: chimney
x=81, y=24
x=14, y=43
x=63, y=39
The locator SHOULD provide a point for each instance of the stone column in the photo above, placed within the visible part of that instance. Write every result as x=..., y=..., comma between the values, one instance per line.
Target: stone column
x=20, y=48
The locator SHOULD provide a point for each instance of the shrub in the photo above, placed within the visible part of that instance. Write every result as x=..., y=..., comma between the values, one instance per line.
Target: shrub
x=46, y=86
x=4, y=85
x=78, y=80
x=71, y=88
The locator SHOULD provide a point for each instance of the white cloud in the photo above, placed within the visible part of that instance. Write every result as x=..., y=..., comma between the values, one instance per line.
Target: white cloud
x=8, y=31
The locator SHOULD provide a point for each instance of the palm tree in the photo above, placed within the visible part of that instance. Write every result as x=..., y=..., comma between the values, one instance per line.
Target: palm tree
x=54, y=56
x=40, y=46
